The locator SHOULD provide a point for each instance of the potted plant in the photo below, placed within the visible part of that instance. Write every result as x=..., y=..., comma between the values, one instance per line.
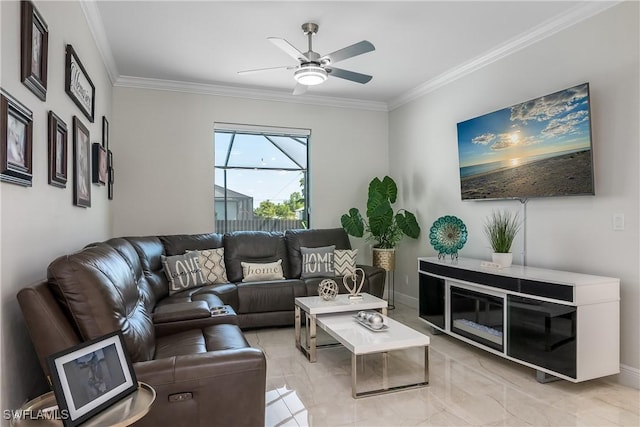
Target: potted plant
x=501, y=228
x=383, y=226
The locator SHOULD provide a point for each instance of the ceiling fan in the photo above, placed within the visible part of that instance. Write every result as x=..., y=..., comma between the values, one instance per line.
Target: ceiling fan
x=313, y=68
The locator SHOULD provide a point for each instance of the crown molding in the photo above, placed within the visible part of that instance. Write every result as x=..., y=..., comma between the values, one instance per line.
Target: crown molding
x=237, y=92
x=536, y=34
x=94, y=19
x=571, y=17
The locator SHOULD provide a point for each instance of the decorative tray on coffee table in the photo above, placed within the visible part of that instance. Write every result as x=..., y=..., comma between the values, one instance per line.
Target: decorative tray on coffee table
x=366, y=324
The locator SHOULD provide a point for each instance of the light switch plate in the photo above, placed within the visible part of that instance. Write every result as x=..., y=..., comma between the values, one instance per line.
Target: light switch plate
x=618, y=221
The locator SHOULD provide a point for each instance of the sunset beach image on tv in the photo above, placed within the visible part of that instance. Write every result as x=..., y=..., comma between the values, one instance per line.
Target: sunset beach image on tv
x=537, y=148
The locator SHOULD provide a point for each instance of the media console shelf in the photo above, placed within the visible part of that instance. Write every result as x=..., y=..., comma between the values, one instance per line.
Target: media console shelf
x=562, y=324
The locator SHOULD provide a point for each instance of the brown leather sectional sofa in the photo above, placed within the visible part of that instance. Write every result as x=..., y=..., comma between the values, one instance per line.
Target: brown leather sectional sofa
x=177, y=345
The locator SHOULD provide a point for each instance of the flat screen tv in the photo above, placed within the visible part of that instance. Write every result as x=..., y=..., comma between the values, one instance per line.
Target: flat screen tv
x=538, y=148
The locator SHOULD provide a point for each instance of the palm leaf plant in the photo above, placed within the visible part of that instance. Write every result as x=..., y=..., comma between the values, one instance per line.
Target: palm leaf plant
x=382, y=225
x=501, y=228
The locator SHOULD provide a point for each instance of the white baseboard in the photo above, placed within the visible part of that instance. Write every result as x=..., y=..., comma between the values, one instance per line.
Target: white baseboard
x=628, y=376
x=406, y=300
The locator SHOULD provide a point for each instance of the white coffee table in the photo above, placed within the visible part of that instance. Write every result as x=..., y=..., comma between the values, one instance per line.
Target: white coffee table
x=360, y=341
x=314, y=306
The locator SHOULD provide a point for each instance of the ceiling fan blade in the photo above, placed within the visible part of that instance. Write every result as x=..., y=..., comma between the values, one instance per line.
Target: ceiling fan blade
x=299, y=89
x=259, y=70
x=288, y=48
x=350, y=51
x=349, y=75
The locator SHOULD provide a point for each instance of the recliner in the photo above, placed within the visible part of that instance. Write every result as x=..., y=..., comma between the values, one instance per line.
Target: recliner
x=98, y=290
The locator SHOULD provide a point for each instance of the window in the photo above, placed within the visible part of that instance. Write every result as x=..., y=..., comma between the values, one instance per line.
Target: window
x=261, y=178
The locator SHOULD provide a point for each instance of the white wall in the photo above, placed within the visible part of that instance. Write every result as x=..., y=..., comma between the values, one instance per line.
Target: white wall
x=569, y=233
x=41, y=223
x=164, y=156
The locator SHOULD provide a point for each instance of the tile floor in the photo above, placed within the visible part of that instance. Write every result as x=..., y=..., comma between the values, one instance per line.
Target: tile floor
x=467, y=386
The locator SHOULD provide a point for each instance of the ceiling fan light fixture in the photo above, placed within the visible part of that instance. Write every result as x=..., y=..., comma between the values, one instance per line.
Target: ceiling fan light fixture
x=310, y=75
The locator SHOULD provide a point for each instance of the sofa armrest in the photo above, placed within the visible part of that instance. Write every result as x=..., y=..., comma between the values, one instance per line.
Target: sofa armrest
x=203, y=389
x=376, y=277
x=181, y=311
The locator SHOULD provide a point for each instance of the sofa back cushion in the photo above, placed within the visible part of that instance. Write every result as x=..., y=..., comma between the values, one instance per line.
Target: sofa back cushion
x=296, y=239
x=178, y=244
x=150, y=251
x=253, y=247
x=99, y=290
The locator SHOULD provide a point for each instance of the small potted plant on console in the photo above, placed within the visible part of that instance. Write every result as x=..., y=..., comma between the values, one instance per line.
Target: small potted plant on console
x=501, y=228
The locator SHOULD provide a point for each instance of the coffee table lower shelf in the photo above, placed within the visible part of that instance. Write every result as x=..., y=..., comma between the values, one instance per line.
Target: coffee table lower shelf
x=360, y=342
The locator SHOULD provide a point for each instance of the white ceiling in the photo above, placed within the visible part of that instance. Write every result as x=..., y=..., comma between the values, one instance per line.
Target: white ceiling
x=417, y=42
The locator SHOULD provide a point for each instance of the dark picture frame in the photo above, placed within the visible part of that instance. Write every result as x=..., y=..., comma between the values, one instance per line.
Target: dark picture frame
x=16, y=141
x=110, y=175
x=90, y=377
x=34, y=46
x=99, y=164
x=81, y=165
x=105, y=133
x=78, y=84
x=57, y=136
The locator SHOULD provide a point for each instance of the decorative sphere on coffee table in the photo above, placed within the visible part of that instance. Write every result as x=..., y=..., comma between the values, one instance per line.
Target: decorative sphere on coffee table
x=376, y=321
x=328, y=289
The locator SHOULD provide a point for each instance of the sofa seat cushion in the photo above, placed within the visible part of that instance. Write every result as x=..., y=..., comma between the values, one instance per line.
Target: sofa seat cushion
x=194, y=341
x=275, y=295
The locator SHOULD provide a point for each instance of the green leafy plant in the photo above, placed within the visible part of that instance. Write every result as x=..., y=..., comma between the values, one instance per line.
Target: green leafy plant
x=382, y=225
x=501, y=228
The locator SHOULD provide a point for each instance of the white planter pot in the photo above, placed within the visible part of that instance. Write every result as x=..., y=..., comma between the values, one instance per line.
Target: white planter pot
x=503, y=259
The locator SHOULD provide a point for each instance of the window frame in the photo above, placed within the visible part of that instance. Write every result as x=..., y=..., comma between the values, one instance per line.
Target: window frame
x=302, y=136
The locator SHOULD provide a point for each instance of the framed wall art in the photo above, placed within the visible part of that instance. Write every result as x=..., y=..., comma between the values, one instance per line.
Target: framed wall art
x=16, y=141
x=99, y=164
x=78, y=85
x=91, y=376
x=110, y=175
x=57, y=151
x=34, y=45
x=81, y=165
x=105, y=133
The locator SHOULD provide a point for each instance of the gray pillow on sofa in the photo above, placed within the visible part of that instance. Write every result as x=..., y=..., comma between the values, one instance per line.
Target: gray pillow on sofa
x=317, y=262
x=183, y=272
